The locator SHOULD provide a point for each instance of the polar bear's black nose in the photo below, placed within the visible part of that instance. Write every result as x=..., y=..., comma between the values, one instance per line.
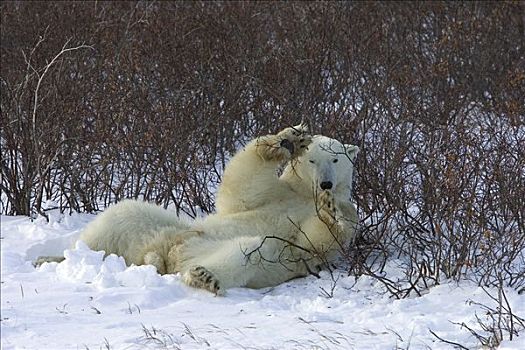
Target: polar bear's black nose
x=326, y=185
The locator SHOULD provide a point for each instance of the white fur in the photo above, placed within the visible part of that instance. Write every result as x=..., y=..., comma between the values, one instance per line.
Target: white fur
x=253, y=203
x=267, y=229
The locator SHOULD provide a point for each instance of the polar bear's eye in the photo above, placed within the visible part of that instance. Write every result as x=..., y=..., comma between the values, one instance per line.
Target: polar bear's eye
x=311, y=161
x=335, y=160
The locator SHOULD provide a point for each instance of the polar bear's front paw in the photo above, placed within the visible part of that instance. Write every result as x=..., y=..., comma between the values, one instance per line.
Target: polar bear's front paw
x=326, y=207
x=200, y=277
x=295, y=139
x=287, y=144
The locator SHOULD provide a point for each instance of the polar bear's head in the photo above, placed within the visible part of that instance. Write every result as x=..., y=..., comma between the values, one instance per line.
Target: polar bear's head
x=327, y=164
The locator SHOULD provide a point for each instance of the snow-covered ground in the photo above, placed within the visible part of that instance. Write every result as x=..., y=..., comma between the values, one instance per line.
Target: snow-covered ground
x=86, y=302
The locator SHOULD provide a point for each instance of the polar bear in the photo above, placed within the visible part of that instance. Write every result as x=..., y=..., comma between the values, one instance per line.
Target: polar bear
x=267, y=229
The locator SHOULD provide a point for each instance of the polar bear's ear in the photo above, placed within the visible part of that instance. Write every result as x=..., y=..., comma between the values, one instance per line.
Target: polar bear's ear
x=351, y=151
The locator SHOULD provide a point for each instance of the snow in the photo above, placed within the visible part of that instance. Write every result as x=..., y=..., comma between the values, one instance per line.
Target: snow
x=88, y=302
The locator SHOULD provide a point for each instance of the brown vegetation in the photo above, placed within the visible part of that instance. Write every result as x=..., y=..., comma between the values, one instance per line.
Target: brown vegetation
x=108, y=100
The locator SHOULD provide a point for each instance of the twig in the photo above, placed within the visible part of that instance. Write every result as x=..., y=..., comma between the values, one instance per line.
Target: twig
x=448, y=341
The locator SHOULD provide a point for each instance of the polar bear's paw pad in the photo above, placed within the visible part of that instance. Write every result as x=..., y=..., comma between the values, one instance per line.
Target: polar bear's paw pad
x=200, y=277
x=295, y=139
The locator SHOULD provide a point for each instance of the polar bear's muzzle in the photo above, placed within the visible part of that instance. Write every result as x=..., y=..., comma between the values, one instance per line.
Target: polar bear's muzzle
x=325, y=178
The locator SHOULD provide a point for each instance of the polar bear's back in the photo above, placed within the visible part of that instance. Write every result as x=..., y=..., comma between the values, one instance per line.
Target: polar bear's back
x=125, y=227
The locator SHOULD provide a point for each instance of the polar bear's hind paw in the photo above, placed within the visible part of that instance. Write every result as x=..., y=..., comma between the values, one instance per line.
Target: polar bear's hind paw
x=200, y=277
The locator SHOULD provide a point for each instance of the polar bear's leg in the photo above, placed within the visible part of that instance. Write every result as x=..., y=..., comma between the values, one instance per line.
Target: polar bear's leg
x=250, y=179
x=160, y=249
x=216, y=265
